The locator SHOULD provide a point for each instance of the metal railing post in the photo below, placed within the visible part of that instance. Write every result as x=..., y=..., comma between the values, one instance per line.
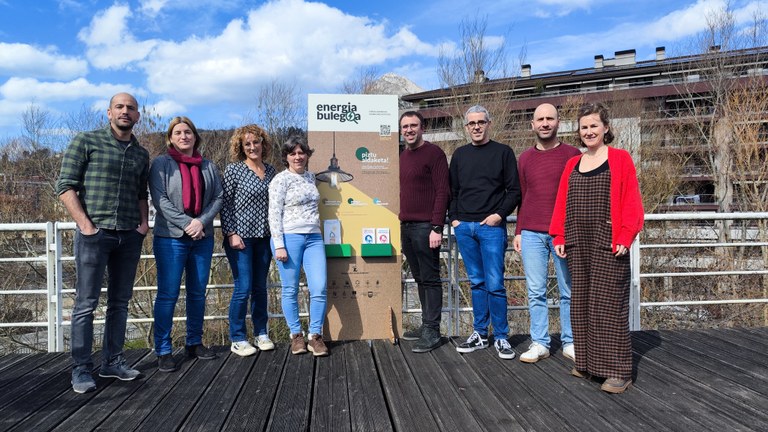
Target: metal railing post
x=58, y=287
x=634, y=286
x=454, y=253
x=50, y=278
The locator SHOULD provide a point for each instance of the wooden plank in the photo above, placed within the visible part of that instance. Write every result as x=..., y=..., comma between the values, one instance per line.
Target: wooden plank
x=170, y=413
x=71, y=411
x=703, y=373
x=152, y=391
x=474, y=393
x=34, y=390
x=407, y=406
x=368, y=408
x=213, y=408
x=254, y=403
x=757, y=331
x=550, y=401
x=712, y=365
x=747, y=336
x=9, y=360
x=704, y=346
x=694, y=399
x=19, y=372
x=508, y=389
x=446, y=405
x=593, y=402
x=330, y=403
x=726, y=341
x=292, y=406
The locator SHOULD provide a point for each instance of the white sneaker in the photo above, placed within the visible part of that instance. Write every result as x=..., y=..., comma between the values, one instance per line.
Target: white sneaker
x=243, y=348
x=569, y=352
x=536, y=352
x=264, y=343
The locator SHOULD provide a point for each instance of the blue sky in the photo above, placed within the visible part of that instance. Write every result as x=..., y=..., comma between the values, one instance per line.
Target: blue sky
x=207, y=58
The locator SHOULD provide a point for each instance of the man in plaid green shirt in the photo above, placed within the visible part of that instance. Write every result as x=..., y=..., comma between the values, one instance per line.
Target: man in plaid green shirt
x=103, y=185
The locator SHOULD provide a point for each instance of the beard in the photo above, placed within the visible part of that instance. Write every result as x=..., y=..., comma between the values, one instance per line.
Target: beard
x=124, y=127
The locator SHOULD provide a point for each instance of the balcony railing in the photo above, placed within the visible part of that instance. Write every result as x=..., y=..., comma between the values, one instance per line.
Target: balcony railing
x=673, y=247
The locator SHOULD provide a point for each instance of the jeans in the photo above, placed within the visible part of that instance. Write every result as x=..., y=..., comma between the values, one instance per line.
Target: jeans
x=250, y=267
x=305, y=250
x=116, y=253
x=175, y=256
x=425, y=266
x=536, y=249
x=483, y=247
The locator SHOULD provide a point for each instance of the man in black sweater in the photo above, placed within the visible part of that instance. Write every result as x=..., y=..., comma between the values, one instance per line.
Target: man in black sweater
x=484, y=190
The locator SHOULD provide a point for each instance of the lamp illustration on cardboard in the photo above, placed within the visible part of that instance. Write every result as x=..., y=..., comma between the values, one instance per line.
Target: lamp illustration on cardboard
x=334, y=174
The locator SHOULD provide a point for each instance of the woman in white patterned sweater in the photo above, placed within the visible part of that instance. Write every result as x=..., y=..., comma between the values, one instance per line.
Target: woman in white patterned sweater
x=294, y=222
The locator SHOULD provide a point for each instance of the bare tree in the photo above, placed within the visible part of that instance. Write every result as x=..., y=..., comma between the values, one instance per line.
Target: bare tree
x=281, y=109
x=476, y=73
x=709, y=85
x=362, y=82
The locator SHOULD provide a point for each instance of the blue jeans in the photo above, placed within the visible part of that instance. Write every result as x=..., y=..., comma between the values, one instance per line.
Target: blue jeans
x=425, y=266
x=116, y=253
x=536, y=249
x=305, y=250
x=175, y=256
x=483, y=247
x=250, y=267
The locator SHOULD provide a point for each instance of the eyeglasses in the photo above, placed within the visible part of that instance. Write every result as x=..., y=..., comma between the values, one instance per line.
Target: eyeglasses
x=480, y=123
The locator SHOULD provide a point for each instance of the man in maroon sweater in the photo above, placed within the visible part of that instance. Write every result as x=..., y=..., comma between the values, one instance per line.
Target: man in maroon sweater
x=540, y=168
x=424, y=194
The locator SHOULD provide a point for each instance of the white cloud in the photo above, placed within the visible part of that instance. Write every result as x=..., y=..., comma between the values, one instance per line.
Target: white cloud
x=674, y=28
x=30, y=89
x=166, y=108
x=10, y=112
x=110, y=43
x=27, y=60
x=152, y=7
x=560, y=8
x=311, y=43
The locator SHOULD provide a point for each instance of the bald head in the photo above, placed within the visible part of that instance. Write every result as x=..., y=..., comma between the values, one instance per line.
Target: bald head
x=544, y=124
x=123, y=113
x=123, y=96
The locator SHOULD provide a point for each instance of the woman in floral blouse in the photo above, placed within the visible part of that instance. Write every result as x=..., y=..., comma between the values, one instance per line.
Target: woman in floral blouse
x=246, y=231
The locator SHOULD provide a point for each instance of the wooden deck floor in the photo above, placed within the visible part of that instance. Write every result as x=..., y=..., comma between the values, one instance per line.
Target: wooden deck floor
x=685, y=381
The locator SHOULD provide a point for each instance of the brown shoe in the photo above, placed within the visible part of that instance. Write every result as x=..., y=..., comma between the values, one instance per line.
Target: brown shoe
x=317, y=346
x=297, y=344
x=615, y=385
x=580, y=374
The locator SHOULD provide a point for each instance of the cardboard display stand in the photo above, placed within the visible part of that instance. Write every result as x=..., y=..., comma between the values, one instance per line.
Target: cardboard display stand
x=356, y=161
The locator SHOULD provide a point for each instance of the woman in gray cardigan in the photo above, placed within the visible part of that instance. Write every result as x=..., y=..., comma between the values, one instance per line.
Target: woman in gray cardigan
x=187, y=194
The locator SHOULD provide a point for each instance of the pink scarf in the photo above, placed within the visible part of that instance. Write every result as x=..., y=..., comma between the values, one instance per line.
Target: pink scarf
x=191, y=180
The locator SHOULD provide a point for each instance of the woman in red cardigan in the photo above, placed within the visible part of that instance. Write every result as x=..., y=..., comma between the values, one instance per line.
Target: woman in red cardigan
x=598, y=213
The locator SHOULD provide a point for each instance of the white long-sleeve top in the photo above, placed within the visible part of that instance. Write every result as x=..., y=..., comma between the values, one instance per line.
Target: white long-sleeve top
x=293, y=200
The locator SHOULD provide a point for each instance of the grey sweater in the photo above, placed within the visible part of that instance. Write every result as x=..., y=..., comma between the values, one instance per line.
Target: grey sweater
x=165, y=188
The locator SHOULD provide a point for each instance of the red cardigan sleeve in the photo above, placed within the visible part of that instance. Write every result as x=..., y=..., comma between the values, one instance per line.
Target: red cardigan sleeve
x=557, y=224
x=627, y=214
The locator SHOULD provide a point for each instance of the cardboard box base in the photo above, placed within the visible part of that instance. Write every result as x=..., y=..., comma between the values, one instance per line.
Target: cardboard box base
x=364, y=299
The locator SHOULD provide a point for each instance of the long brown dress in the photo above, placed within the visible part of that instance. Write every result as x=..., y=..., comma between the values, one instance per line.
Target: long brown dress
x=599, y=279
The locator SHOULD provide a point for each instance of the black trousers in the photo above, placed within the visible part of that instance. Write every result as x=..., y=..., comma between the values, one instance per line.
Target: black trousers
x=425, y=266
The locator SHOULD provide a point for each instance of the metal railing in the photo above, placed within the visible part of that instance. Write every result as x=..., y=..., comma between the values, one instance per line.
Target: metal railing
x=752, y=236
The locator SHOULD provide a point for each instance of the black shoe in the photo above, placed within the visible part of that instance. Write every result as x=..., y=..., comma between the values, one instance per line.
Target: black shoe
x=474, y=342
x=200, y=351
x=430, y=339
x=413, y=335
x=165, y=363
